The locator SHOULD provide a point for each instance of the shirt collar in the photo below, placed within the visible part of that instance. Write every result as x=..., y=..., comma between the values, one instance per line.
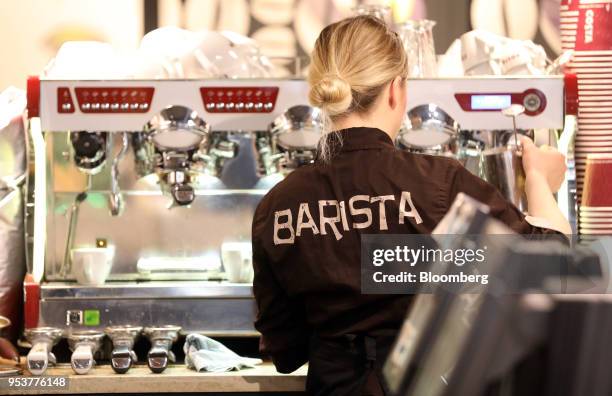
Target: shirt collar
x=360, y=138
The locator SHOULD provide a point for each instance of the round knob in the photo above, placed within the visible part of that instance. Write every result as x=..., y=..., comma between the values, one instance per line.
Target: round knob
x=532, y=102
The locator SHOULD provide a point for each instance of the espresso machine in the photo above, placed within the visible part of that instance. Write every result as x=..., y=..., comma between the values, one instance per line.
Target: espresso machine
x=150, y=179
x=477, y=119
x=135, y=187
x=166, y=171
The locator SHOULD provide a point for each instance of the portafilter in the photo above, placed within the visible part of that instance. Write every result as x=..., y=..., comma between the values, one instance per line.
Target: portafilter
x=123, y=338
x=291, y=140
x=40, y=356
x=428, y=129
x=179, y=139
x=161, y=338
x=84, y=344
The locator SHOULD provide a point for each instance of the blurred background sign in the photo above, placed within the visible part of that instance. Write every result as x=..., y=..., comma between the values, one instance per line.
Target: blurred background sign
x=283, y=28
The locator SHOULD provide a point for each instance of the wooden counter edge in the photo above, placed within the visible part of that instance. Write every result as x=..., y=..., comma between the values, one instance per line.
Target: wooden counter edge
x=176, y=379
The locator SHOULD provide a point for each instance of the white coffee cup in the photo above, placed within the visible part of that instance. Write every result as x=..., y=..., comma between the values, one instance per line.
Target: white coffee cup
x=237, y=260
x=92, y=265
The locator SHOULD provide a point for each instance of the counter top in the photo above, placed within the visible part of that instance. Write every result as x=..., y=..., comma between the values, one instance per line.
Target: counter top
x=175, y=379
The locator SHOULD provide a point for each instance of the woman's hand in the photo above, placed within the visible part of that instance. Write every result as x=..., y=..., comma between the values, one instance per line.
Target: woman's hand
x=544, y=163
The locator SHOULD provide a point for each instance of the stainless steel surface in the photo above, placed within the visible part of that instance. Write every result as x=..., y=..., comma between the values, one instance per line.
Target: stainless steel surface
x=65, y=265
x=123, y=355
x=178, y=128
x=146, y=229
x=503, y=167
x=211, y=308
x=84, y=344
x=291, y=140
x=162, y=338
x=167, y=263
x=115, y=199
x=180, y=139
x=428, y=129
x=139, y=290
x=92, y=338
x=42, y=340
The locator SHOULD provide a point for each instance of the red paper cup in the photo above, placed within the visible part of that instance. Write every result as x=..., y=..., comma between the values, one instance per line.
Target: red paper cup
x=594, y=24
x=597, y=190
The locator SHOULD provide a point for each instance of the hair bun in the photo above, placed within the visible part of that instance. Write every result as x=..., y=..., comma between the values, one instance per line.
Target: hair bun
x=331, y=94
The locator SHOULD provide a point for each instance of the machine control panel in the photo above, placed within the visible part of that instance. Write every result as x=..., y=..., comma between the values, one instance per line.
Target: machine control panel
x=106, y=99
x=239, y=99
x=64, y=101
x=533, y=100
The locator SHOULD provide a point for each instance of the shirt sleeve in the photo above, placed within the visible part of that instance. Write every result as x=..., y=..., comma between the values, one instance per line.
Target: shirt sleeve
x=280, y=319
x=462, y=180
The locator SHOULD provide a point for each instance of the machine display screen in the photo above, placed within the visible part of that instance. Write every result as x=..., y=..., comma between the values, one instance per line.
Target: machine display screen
x=491, y=102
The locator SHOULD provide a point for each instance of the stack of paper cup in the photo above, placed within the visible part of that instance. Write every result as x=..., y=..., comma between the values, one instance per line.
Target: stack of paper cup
x=596, y=208
x=586, y=28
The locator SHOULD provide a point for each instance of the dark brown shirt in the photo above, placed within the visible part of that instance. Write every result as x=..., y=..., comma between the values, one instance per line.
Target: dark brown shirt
x=306, y=237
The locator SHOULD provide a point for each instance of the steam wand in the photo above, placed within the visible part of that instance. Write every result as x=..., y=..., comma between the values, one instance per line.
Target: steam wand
x=72, y=223
x=514, y=111
x=115, y=200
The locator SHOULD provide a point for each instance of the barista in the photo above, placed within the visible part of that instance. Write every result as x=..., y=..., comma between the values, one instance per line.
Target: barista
x=306, y=230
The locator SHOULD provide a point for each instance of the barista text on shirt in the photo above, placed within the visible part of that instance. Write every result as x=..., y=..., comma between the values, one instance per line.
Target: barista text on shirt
x=359, y=211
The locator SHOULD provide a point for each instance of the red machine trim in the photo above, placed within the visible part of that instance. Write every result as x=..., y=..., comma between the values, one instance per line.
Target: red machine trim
x=31, y=295
x=571, y=94
x=33, y=96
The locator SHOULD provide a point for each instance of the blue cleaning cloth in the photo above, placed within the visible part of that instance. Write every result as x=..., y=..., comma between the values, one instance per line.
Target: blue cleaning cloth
x=205, y=354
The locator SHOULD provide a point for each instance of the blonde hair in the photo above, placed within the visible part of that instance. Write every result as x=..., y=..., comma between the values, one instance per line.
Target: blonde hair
x=352, y=61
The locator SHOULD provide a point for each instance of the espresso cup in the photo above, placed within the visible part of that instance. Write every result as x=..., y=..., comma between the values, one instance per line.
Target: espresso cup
x=92, y=265
x=237, y=260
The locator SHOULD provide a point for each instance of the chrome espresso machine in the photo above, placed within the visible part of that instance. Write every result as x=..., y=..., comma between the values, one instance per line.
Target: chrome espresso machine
x=135, y=191
x=139, y=189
